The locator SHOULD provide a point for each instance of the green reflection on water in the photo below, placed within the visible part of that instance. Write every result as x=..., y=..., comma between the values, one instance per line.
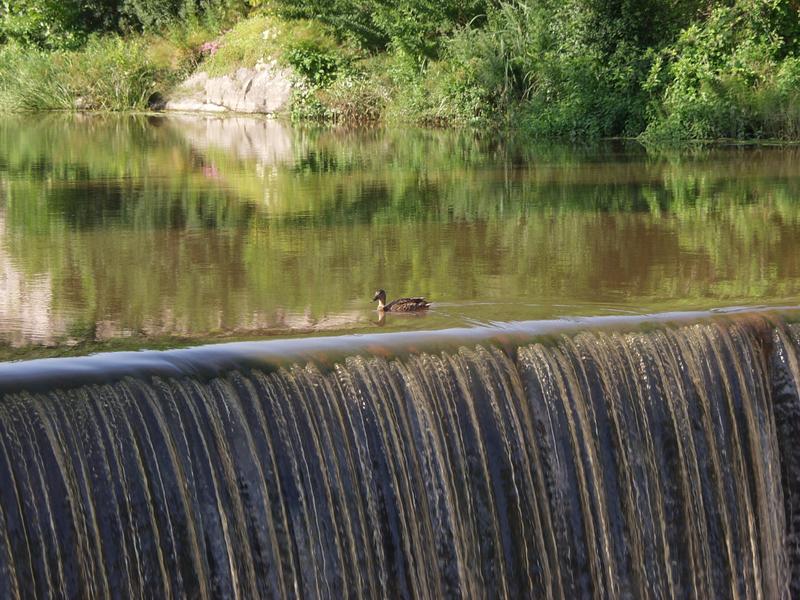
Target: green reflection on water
x=172, y=230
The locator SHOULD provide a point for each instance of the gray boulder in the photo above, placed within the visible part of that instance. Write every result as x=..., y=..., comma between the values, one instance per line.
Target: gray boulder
x=264, y=89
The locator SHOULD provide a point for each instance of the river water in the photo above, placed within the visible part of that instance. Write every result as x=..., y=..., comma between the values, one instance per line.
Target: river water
x=151, y=231
x=603, y=402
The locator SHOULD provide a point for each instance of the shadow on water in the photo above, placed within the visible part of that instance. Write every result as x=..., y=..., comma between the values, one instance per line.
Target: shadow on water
x=618, y=457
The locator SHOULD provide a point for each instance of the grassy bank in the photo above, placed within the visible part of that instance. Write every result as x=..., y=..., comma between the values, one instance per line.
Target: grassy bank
x=103, y=54
x=135, y=71
x=108, y=73
x=661, y=70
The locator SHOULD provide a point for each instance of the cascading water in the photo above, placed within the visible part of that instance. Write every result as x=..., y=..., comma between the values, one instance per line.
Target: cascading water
x=620, y=465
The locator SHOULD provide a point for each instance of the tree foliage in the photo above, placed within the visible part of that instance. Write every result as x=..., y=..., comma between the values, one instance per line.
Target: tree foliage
x=55, y=23
x=733, y=74
x=417, y=27
x=58, y=24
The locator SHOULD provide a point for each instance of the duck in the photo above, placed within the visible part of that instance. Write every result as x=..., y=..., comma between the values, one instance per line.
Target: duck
x=401, y=304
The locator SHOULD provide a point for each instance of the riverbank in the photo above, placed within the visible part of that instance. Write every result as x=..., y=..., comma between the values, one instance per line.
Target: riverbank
x=721, y=72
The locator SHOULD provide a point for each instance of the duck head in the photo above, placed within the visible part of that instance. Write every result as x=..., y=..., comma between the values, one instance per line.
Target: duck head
x=380, y=296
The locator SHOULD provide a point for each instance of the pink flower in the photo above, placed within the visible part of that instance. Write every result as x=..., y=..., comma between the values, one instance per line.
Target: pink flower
x=211, y=172
x=209, y=48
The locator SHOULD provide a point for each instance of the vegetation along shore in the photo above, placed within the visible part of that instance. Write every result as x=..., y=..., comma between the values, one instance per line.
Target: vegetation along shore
x=654, y=69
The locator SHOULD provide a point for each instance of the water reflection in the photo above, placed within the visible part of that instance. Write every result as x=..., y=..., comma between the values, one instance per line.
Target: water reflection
x=199, y=227
x=25, y=302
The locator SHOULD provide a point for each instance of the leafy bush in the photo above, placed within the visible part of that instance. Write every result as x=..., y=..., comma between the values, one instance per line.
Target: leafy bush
x=154, y=15
x=589, y=68
x=571, y=68
x=466, y=86
x=303, y=45
x=357, y=97
x=66, y=24
x=727, y=77
x=313, y=61
x=417, y=27
x=47, y=23
x=543, y=64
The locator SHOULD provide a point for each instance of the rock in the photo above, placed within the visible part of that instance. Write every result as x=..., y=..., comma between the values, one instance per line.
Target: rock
x=264, y=89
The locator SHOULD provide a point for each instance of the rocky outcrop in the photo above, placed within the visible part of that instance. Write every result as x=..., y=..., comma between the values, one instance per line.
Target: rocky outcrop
x=264, y=89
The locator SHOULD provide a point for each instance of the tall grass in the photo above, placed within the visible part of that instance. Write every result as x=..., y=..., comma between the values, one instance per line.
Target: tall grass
x=109, y=73
x=31, y=80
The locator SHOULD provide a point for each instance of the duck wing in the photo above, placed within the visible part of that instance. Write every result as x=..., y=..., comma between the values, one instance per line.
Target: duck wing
x=407, y=305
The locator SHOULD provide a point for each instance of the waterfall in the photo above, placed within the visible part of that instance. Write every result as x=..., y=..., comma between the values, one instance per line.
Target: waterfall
x=607, y=464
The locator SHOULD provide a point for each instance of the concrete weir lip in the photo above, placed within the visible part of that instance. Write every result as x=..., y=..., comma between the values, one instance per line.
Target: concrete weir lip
x=208, y=361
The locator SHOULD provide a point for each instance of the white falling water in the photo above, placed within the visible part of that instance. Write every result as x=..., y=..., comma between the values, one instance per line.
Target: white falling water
x=606, y=465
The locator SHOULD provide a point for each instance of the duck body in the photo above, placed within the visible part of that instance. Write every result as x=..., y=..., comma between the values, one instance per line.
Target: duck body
x=401, y=304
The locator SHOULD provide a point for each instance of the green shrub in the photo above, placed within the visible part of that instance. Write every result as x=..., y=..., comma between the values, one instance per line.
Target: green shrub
x=417, y=27
x=778, y=101
x=541, y=63
x=359, y=97
x=727, y=77
x=58, y=24
x=305, y=105
x=466, y=86
x=154, y=15
x=673, y=69
x=303, y=45
x=317, y=64
x=66, y=24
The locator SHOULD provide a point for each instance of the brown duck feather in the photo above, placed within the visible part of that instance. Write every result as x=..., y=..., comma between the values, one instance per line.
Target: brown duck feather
x=407, y=305
x=416, y=304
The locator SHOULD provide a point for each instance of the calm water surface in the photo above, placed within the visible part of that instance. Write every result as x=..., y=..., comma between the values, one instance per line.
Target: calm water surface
x=152, y=231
